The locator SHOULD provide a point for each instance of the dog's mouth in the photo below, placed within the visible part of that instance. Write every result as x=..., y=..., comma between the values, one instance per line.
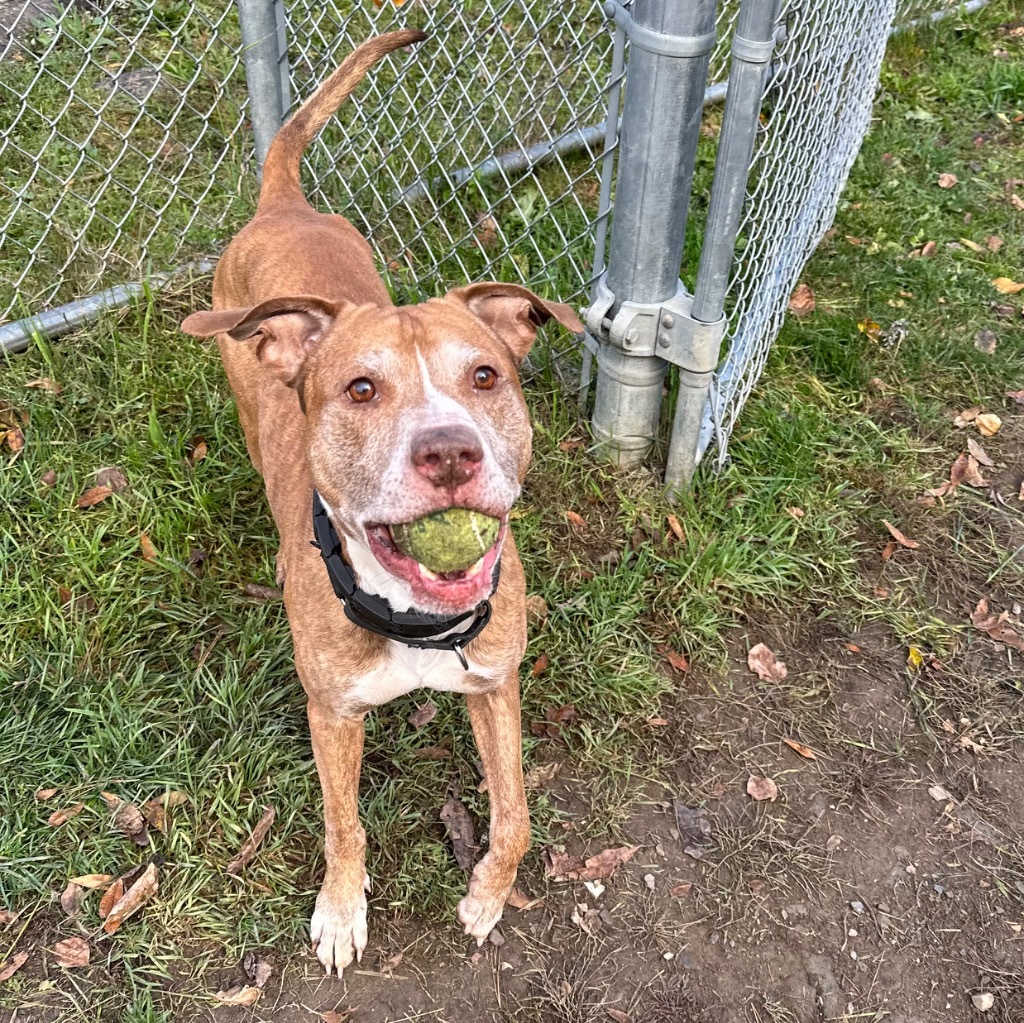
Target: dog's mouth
x=460, y=590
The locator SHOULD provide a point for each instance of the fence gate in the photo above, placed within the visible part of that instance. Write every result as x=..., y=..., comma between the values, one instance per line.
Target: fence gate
x=494, y=150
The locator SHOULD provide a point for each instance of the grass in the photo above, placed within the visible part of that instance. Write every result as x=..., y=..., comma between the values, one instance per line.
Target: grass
x=163, y=674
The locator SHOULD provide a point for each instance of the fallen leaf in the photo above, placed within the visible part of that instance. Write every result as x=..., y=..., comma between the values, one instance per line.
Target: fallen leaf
x=148, y=550
x=1005, y=286
x=92, y=880
x=536, y=610
x=899, y=537
x=562, y=867
x=48, y=478
x=110, y=898
x=573, y=444
x=1016, y=202
x=995, y=625
x=155, y=813
x=677, y=528
x=1017, y=396
x=113, y=478
x=764, y=664
x=331, y=1016
x=432, y=753
x=657, y=722
x=795, y=513
x=939, y=794
x=7, y=917
x=852, y=647
x=517, y=900
x=978, y=452
x=9, y=967
x=915, y=658
x=576, y=520
x=947, y=180
x=239, y=995
x=760, y=788
x=587, y=919
x=972, y=245
x=539, y=666
x=173, y=798
x=72, y=953
x=988, y=424
x=128, y=818
x=257, y=969
x=93, y=496
x=248, y=851
x=45, y=384
x=993, y=243
x=679, y=890
x=888, y=550
x=423, y=714
x=44, y=794
x=618, y=1015
x=694, y=829
x=801, y=302
x=459, y=825
x=59, y=817
x=565, y=714
x=961, y=419
x=985, y=341
x=541, y=776
x=133, y=899
x=263, y=593
x=198, y=451
x=15, y=439
x=486, y=231
x=677, y=660
x=929, y=249
x=805, y=751
x=71, y=899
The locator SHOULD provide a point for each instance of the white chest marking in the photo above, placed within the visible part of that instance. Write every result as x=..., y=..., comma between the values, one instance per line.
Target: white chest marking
x=406, y=668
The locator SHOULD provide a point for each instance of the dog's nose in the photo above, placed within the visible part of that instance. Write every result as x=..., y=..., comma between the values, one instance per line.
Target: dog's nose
x=447, y=455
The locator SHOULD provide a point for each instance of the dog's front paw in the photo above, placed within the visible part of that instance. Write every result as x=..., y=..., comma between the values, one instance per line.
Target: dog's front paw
x=338, y=930
x=480, y=911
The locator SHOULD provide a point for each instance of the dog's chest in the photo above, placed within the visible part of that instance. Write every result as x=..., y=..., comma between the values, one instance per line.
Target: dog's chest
x=406, y=668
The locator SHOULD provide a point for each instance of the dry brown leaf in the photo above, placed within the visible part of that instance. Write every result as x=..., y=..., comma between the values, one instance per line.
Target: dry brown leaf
x=257, y=969
x=657, y=722
x=995, y=625
x=536, y=610
x=677, y=660
x=993, y=243
x=1016, y=201
x=71, y=899
x=541, y=776
x=576, y=520
x=801, y=302
x=899, y=537
x=763, y=663
x=93, y=496
x=15, y=439
x=988, y=424
x=947, y=180
x=331, y=1016
x=133, y=899
x=486, y=231
x=694, y=827
x=572, y=444
x=978, y=453
x=456, y=820
x=112, y=477
x=148, y=550
x=432, y=753
x=540, y=665
x=239, y=995
x=562, y=867
x=9, y=967
x=961, y=419
x=48, y=478
x=795, y=513
x=423, y=714
x=59, y=817
x=72, y=953
x=127, y=819
x=1005, y=286
x=111, y=897
x=172, y=798
x=263, y=593
x=677, y=528
x=248, y=851
x=805, y=751
x=618, y=1015
x=198, y=452
x=761, y=788
x=888, y=550
x=7, y=917
x=972, y=245
x=517, y=900
x=929, y=249
x=92, y=880
x=679, y=890
x=1017, y=396
x=45, y=384
x=44, y=794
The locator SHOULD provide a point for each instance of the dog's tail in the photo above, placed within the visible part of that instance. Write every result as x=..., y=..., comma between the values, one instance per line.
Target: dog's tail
x=281, y=167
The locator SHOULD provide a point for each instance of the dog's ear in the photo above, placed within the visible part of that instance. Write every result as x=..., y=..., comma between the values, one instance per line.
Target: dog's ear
x=288, y=329
x=514, y=313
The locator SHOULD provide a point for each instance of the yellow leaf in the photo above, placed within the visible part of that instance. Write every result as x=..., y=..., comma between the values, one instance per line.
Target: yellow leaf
x=988, y=424
x=1007, y=287
x=915, y=658
x=870, y=328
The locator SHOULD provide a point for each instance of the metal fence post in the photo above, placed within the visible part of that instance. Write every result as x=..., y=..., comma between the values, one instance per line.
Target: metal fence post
x=670, y=45
x=266, y=69
x=752, y=46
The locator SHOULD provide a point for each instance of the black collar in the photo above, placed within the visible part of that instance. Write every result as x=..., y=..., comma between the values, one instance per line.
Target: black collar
x=413, y=628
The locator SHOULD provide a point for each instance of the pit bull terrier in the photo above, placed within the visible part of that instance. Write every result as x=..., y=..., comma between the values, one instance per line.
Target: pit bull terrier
x=361, y=415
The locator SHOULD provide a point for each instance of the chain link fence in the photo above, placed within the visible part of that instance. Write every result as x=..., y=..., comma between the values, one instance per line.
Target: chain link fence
x=125, y=149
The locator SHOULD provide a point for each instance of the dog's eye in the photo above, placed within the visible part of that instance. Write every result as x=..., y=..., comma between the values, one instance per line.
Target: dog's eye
x=484, y=378
x=361, y=390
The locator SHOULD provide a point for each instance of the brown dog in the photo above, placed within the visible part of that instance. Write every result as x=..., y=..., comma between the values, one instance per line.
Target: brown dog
x=389, y=414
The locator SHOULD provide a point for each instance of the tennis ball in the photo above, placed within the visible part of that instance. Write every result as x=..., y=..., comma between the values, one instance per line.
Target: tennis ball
x=448, y=540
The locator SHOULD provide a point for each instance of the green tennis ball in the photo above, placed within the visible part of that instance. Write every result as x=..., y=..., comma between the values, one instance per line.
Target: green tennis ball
x=448, y=540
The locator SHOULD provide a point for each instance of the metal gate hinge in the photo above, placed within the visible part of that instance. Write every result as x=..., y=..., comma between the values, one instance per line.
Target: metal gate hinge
x=665, y=329
x=657, y=42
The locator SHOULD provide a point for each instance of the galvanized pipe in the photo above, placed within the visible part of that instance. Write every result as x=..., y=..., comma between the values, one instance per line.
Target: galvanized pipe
x=752, y=48
x=657, y=151
x=265, y=72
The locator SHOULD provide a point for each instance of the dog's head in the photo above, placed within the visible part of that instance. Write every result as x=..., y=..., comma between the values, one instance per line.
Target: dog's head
x=409, y=410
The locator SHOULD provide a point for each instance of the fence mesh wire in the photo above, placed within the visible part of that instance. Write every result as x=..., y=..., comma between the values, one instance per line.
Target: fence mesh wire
x=124, y=146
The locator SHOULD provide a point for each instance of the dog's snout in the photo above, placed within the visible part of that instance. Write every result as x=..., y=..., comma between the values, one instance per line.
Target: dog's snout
x=448, y=456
